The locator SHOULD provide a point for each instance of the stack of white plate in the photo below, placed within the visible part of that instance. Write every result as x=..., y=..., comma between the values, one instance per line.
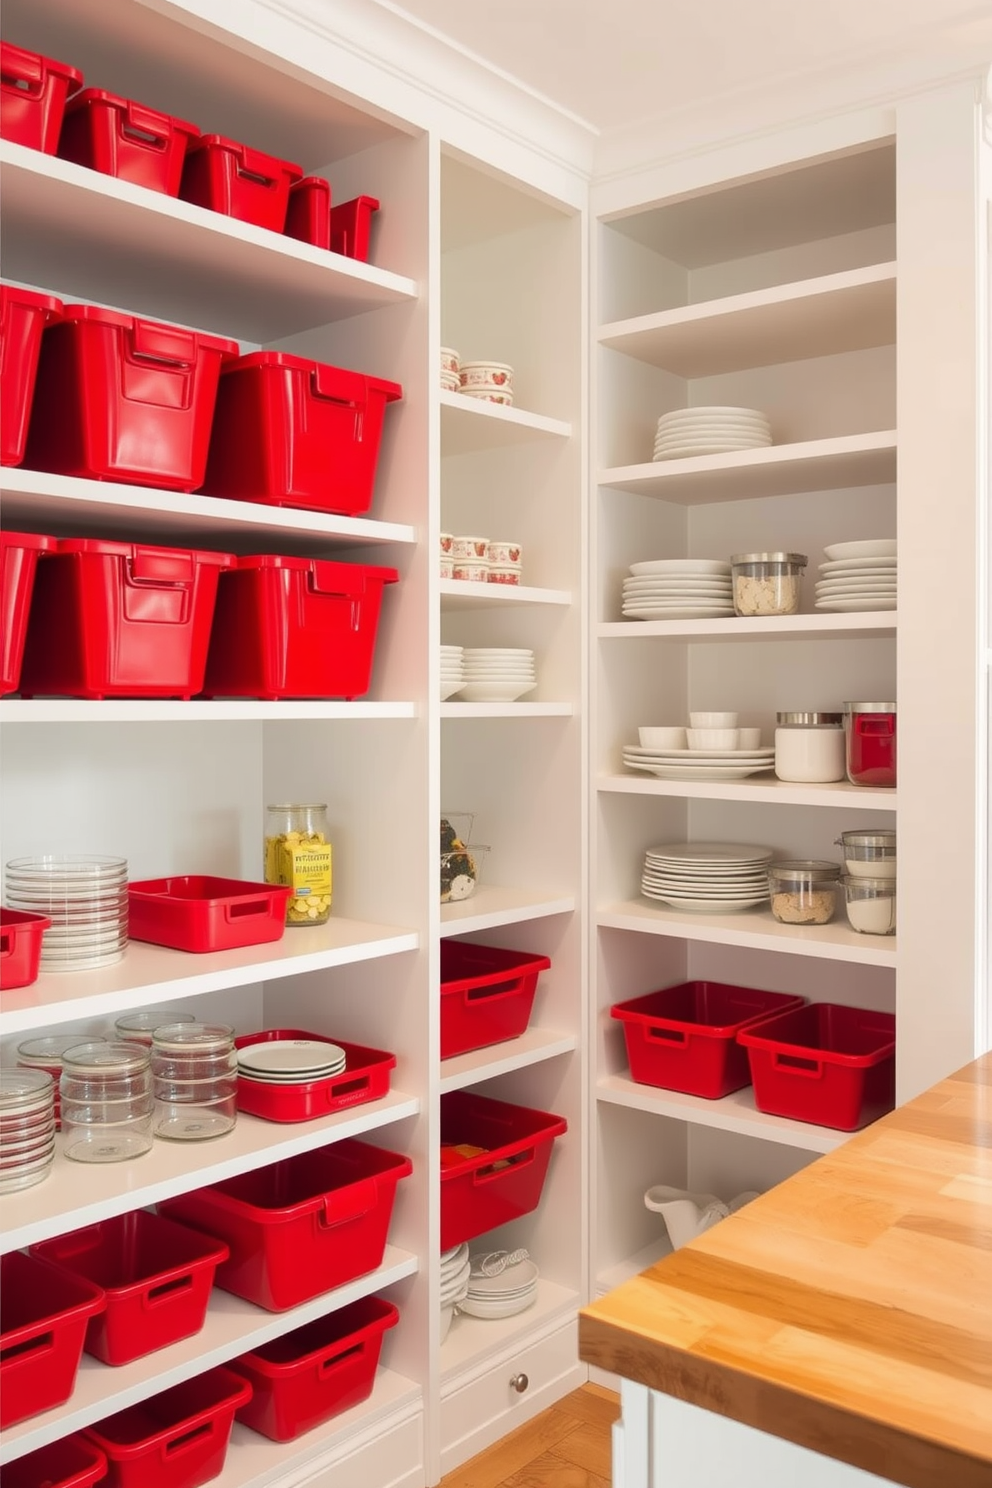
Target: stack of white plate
x=497, y=674
x=27, y=1127
x=708, y=877
x=452, y=672
x=290, y=1061
x=86, y=900
x=678, y=589
x=699, y=764
x=858, y=576
x=500, y=1285
x=455, y=1269
x=688, y=432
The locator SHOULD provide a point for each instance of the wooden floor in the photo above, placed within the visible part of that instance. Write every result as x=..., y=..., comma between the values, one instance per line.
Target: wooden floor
x=567, y=1446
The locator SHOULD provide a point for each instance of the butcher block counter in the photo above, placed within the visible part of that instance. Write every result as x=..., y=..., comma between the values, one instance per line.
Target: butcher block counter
x=848, y=1312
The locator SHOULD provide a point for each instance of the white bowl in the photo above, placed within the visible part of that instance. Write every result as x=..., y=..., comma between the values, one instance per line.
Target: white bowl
x=749, y=738
x=661, y=738
x=495, y=692
x=713, y=720
x=713, y=738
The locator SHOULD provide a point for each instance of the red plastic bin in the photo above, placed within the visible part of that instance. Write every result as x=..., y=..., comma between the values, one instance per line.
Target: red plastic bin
x=19, y=553
x=20, y=948
x=308, y=216
x=365, y=1077
x=233, y=179
x=351, y=227
x=33, y=93
x=71, y=1462
x=315, y=1372
x=826, y=1064
x=176, y=1439
x=685, y=1037
x=289, y=431
x=487, y=994
x=300, y=1227
x=505, y=1181
x=125, y=399
x=156, y=1276
x=195, y=912
x=23, y=316
x=45, y=1312
x=126, y=139
x=295, y=628
x=113, y=619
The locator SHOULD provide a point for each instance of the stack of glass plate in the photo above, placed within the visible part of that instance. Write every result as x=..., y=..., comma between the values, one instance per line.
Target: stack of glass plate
x=455, y=1268
x=290, y=1061
x=27, y=1127
x=85, y=898
x=500, y=1285
x=707, y=877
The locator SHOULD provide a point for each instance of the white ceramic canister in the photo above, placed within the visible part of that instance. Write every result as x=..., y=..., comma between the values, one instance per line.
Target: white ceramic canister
x=469, y=549
x=504, y=554
x=506, y=573
x=809, y=747
x=471, y=570
x=447, y=567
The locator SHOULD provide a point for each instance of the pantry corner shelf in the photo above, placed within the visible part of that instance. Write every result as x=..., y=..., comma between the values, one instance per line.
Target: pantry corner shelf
x=839, y=795
x=860, y=625
x=491, y=906
x=196, y=710
x=469, y=425
x=756, y=929
x=531, y=1047
x=632, y=1265
x=506, y=710
x=459, y=594
x=81, y=229
x=471, y=1339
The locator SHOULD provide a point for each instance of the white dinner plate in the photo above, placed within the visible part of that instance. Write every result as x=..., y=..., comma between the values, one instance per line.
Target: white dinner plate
x=694, y=419
x=856, y=564
x=731, y=756
x=715, y=410
x=851, y=606
x=291, y=1056
x=491, y=692
x=705, y=613
x=701, y=772
x=717, y=853
x=753, y=892
x=876, y=547
x=708, y=906
x=681, y=565
x=858, y=586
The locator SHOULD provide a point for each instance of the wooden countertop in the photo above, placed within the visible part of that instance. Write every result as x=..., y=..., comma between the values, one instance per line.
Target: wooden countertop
x=849, y=1309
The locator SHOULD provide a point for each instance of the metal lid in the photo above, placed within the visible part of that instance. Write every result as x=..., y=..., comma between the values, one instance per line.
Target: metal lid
x=810, y=720
x=799, y=558
x=869, y=837
x=869, y=707
x=806, y=870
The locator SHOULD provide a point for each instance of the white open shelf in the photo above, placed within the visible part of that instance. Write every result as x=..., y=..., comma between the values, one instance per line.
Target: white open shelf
x=817, y=317
x=459, y=594
x=469, y=425
x=846, y=461
x=455, y=709
x=195, y=710
x=206, y=269
x=490, y=906
x=76, y=1194
x=734, y=1113
x=471, y=1339
x=862, y=624
x=755, y=928
x=232, y=1327
x=532, y=1046
x=633, y=1265
x=765, y=788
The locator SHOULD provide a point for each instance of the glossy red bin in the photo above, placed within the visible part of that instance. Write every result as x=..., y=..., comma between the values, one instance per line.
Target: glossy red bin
x=289, y=431
x=19, y=554
x=176, y=1439
x=300, y=1227
x=351, y=227
x=365, y=1077
x=308, y=217
x=44, y=1312
x=233, y=179
x=23, y=316
x=685, y=1037
x=125, y=399
x=315, y=1372
x=199, y=913
x=505, y=1181
x=295, y=628
x=71, y=1462
x=114, y=619
x=487, y=994
x=33, y=93
x=126, y=139
x=824, y=1063
x=20, y=948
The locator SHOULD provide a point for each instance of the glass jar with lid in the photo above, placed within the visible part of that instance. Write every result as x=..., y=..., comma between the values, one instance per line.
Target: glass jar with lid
x=298, y=854
x=106, y=1101
x=767, y=583
x=804, y=891
x=870, y=730
x=810, y=747
x=195, y=1076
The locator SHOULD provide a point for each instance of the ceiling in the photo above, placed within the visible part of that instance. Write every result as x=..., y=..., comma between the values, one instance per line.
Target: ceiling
x=612, y=63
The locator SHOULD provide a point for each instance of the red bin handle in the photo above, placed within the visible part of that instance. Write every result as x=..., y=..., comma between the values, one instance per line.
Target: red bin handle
x=153, y=342
x=492, y=1171
x=334, y=1361
x=6, y=943
x=144, y=126
x=162, y=567
x=797, y=1064
x=668, y=1035
x=23, y=67
x=190, y=1438
x=347, y=1204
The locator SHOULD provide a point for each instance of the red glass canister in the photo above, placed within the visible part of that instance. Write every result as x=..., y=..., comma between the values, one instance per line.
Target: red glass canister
x=870, y=730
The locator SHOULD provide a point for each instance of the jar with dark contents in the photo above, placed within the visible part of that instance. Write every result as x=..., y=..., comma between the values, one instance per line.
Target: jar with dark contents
x=870, y=731
x=460, y=864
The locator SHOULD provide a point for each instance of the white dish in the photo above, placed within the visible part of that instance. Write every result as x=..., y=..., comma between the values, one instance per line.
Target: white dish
x=494, y=692
x=448, y=689
x=728, y=896
x=516, y=1279
x=682, y=565
x=707, y=906
x=850, y=606
x=701, y=772
x=686, y=422
x=292, y=1056
x=876, y=547
x=704, y=432
x=868, y=561
x=469, y=651
x=692, y=613
x=717, y=853
x=496, y=1310
x=677, y=756
x=716, y=410
x=682, y=452
x=741, y=888
x=660, y=737
x=675, y=588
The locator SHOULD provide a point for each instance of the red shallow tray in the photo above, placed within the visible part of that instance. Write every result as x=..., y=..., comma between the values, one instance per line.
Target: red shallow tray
x=24, y=313
x=365, y=1077
x=685, y=1037
x=315, y=1372
x=20, y=947
x=33, y=92
x=487, y=994
x=71, y=1462
x=196, y=912
x=126, y=139
x=45, y=1312
x=824, y=1063
x=156, y=1276
x=505, y=1181
x=233, y=179
x=176, y=1439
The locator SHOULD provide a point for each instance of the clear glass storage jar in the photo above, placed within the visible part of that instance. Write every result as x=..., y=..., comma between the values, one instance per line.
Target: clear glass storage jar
x=810, y=747
x=298, y=854
x=767, y=583
x=804, y=891
x=105, y=1095
x=870, y=903
x=195, y=1081
x=870, y=730
x=138, y=1027
x=27, y=1127
x=869, y=853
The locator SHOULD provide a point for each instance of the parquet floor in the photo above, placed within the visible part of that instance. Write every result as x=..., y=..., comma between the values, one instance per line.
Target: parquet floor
x=567, y=1446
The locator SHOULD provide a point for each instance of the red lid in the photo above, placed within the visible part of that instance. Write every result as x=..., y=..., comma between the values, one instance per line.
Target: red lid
x=32, y=66
x=140, y=551
x=170, y=341
x=335, y=379
x=311, y=183
x=34, y=540
x=12, y=294
x=251, y=160
x=139, y=114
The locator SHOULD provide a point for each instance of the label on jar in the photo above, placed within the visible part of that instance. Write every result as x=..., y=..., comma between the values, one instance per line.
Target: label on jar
x=304, y=866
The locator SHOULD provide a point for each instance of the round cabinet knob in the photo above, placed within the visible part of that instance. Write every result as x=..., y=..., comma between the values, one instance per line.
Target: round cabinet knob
x=519, y=1382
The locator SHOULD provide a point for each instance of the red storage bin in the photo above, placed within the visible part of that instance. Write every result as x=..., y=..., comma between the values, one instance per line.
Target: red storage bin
x=20, y=947
x=126, y=139
x=487, y=994
x=176, y=1439
x=33, y=93
x=19, y=553
x=125, y=399
x=113, y=619
x=289, y=431
x=195, y=912
x=156, y=1276
x=505, y=1181
x=300, y=1227
x=308, y=216
x=365, y=1077
x=827, y=1064
x=23, y=316
x=295, y=628
x=351, y=227
x=685, y=1037
x=240, y=182
x=72, y=1462
x=44, y=1316
x=315, y=1372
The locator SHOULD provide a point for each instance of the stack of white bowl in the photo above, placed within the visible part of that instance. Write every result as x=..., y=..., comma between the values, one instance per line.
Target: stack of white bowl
x=452, y=670
x=497, y=674
x=455, y=1268
x=688, y=432
x=490, y=381
x=450, y=367
x=27, y=1127
x=85, y=897
x=500, y=1284
x=858, y=576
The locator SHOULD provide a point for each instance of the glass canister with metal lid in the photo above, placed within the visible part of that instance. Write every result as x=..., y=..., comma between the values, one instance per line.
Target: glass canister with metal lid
x=809, y=746
x=767, y=583
x=870, y=731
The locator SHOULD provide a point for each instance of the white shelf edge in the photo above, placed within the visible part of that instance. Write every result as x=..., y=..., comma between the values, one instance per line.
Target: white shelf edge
x=520, y=418
x=490, y=906
x=734, y=1113
x=196, y=710
x=506, y=710
x=805, y=453
x=472, y=1341
x=769, y=791
x=463, y=594
x=824, y=626
x=232, y=1327
x=756, y=930
x=78, y=1194
x=533, y=1046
